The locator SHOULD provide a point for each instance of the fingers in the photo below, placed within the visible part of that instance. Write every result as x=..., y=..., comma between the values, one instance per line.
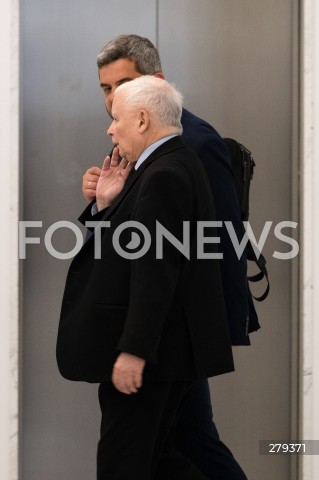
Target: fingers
x=122, y=169
x=93, y=171
x=106, y=163
x=113, y=164
x=91, y=175
x=127, y=373
x=110, y=169
x=115, y=157
x=90, y=179
x=127, y=383
x=126, y=168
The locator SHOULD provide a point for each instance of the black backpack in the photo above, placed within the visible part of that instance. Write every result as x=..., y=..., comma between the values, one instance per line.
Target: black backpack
x=243, y=166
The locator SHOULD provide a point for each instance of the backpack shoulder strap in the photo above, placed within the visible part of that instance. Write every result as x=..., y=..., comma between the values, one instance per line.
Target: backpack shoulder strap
x=263, y=273
x=243, y=165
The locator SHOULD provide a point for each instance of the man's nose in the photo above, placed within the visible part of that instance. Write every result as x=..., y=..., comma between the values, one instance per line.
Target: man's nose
x=109, y=101
x=109, y=131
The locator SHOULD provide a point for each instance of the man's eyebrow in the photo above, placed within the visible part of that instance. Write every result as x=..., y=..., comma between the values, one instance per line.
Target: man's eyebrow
x=119, y=82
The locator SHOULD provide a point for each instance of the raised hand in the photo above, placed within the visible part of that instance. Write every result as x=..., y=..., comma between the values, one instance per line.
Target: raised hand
x=112, y=179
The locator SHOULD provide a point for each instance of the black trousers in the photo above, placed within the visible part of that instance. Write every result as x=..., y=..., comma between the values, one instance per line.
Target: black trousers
x=138, y=431
x=198, y=439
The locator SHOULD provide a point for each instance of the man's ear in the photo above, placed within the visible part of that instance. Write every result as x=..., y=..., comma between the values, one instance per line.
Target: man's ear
x=159, y=75
x=144, y=120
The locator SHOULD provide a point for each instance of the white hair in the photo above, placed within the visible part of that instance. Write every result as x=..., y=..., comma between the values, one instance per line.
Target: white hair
x=156, y=96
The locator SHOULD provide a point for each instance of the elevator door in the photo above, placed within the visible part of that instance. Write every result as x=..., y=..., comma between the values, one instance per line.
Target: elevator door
x=233, y=62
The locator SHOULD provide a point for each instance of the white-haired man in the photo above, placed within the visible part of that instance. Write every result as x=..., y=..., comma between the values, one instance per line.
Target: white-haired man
x=145, y=325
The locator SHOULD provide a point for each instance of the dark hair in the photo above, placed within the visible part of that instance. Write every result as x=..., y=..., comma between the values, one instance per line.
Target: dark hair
x=136, y=48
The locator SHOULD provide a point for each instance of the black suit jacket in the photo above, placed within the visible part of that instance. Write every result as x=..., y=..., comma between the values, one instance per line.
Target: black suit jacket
x=201, y=137
x=168, y=311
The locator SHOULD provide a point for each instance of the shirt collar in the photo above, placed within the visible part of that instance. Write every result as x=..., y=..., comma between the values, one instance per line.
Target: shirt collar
x=150, y=149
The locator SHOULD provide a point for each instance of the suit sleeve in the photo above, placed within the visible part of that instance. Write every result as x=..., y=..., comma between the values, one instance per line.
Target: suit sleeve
x=165, y=197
